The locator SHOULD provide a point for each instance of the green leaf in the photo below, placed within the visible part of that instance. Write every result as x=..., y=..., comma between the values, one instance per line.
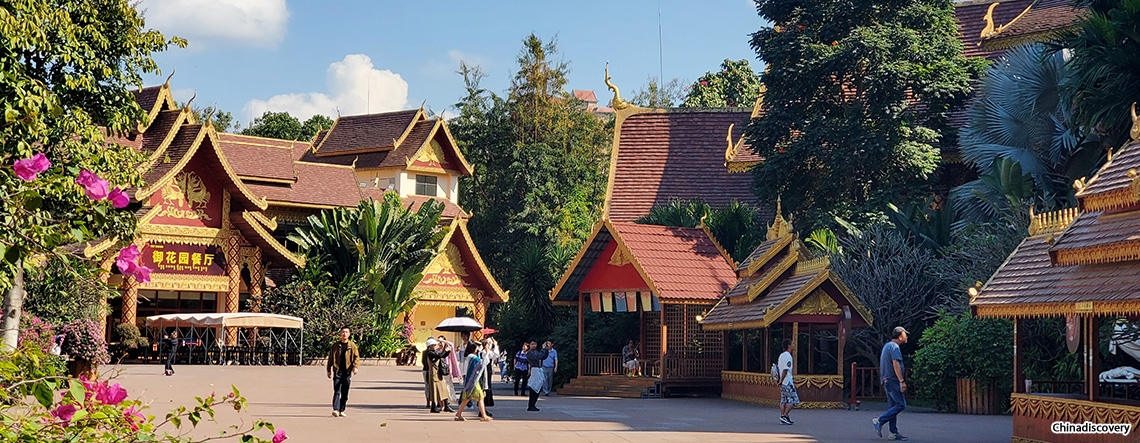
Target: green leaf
x=34, y=202
x=79, y=414
x=43, y=394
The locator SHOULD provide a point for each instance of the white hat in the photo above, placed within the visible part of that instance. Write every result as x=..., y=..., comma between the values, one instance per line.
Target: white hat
x=432, y=342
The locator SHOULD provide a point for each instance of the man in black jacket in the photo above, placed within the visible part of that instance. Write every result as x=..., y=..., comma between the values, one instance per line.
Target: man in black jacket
x=534, y=357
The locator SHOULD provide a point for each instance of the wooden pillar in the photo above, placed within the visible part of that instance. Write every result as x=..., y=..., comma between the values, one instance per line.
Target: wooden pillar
x=842, y=344
x=130, y=299
x=256, y=280
x=480, y=314
x=743, y=351
x=767, y=357
x=1018, y=357
x=581, y=328
x=796, y=346
x=410, y=325
x=1092, y=348
x=640, y=327
x=233, y=292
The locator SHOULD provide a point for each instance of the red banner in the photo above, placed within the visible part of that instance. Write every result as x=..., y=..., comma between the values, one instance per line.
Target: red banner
x=184, y=259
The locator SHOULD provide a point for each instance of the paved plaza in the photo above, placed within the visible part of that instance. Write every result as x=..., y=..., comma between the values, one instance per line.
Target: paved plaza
x=387, y=404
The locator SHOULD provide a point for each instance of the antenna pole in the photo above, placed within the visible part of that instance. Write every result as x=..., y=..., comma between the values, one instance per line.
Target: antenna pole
x=660, y=48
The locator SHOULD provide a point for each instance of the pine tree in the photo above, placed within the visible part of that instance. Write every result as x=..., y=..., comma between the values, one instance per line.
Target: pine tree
x=855, y=103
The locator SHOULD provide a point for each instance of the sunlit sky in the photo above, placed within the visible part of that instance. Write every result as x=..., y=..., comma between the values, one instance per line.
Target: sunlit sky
x=351, y=56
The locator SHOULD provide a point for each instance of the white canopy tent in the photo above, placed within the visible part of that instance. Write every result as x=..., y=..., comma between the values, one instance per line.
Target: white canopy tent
x=215, y=320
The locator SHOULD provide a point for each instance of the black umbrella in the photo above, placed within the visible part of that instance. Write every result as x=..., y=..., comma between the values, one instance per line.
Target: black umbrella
x=459, y=324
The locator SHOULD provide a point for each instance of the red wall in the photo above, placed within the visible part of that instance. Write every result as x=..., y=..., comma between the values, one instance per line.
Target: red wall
x=604, y=277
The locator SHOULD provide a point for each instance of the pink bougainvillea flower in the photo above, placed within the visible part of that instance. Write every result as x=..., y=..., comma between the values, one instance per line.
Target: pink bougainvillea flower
x=64, y=413
x=128, y=257
x=118, y=198
x=112, y=395
x=28, y=168
x=704, y=83
x=280, y=436
x=133, y=418
x=142, y=274
x=95, y=187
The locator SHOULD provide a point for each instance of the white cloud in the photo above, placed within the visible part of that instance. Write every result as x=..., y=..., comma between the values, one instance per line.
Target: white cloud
x=354, y=87
x=245, y=22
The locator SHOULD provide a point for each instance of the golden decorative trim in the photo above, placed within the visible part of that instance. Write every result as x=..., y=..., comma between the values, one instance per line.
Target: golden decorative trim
x=770, y=277
x=812, y=266
x=281, y=214
x=1110, y=253
x=990, y=30
x=1117, y=198
x=723, y=252
x=733, y=147
x=183, y=117
x=285, y=204
x=181, y=231
x=577, y=259
x=182, y=240
x=851, y=299
x=446, y=304
x=779, y=227
x=739, y=167
x=1134, y=131
x=280, y=249
x=1030, y=310
x=759, y=262
x=496, y=290
x=620, y=258
x=269, y=223
x=818, y=303
x=92, y=250
x=150, y=188
x=466, y=168
x=775, y=313
x=1072, y=410
x=267, y=180
x=1051, y=222
x=407, y=131
x=179, y=282
x=765, y=379
x=757, y=108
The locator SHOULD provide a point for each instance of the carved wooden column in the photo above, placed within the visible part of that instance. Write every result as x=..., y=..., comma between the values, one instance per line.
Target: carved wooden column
x=256, y=279
x=796, y=346
x=1019, y=356
x=582, y=324
x=130, y=299
x=233, y=293
x=480, y=314
x=410, y=325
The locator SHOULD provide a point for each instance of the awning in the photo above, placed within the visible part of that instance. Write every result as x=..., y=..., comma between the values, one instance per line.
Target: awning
x=229, y=319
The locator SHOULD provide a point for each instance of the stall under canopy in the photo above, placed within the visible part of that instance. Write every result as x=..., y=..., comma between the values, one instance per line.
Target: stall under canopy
x=226, y=319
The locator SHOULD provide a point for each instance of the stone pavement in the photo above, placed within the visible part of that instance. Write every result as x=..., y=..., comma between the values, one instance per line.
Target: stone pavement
x=386, y=404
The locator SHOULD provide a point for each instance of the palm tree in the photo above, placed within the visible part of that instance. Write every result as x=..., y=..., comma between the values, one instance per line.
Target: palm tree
x=1020, y=115
x=736, y=226
x=383, y=244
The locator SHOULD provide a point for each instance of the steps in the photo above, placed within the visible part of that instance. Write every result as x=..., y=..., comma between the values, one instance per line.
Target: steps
x=612, y=386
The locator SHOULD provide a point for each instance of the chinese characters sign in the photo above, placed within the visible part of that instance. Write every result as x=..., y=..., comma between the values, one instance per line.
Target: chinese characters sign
x=184, y=259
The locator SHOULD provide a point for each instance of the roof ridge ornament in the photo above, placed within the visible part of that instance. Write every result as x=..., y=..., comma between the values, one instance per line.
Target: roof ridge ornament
x=1051, y=222
x=779, y=227
x=617, y=103
x=1134, y=132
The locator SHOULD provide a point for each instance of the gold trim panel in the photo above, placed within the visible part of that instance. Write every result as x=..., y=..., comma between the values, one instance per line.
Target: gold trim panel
x=177, y=282
x=1029, y=310
x=1072, y=410
x=765, y=379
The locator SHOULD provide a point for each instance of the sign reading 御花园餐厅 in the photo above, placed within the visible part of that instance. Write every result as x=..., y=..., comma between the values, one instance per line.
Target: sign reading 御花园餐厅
x=184, y=259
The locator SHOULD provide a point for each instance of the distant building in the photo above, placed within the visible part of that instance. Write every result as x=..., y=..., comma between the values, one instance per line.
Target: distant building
x=591, y=100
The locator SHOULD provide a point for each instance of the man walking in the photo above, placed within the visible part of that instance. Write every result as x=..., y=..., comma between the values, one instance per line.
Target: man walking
x=534, y=358
x=788, y=396
x=341, y=366
x=891, y=371
x=549, y=366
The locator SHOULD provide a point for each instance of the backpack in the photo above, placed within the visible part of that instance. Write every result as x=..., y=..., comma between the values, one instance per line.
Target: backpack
x=775, y=373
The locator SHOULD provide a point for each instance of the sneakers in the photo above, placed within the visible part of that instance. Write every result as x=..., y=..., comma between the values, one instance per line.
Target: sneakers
x=897, y=437
x=785, y=420
x=485, y=419
x=342, y=414
x=336, y=413
x=878, y=427
x=532, y=409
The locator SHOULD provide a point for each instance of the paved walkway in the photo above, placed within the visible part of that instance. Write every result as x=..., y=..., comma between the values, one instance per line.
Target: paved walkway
x=387, y=404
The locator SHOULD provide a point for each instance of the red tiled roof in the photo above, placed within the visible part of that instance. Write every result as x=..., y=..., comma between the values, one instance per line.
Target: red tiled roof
x=259, y=157
x=182, y=144
x=724, y=312
x=1099, y=230
x=147, y=97
x=163, y=123
x=372, y=131
x=397, y=157
x=317, y=184
x=1027, y=278
x=585, y=95
x=682, y=263
x=678, y=154
x=970, y=17
x=1044, y=18
x=450, y=210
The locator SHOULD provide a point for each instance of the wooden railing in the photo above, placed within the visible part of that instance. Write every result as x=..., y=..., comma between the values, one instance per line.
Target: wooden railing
x=865, y=384
x=610, y=364
x=1057, y=387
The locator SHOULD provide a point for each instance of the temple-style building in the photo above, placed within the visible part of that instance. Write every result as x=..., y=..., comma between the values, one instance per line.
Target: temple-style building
x=217, y=207
x=783, y=293
x=1079, y=264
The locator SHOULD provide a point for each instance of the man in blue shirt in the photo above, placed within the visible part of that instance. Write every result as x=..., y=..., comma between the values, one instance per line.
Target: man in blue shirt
x=891, y=372
x=549, y=365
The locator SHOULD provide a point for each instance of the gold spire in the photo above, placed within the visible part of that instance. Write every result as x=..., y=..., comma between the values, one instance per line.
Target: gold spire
x=1135, y=131
x=779, y=227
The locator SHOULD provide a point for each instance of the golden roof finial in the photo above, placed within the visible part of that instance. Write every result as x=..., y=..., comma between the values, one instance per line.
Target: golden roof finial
x=1135, y=131
x=730, y=152
x=172, y=71
x=617, y=103
x=779, y=227
x=988, y=30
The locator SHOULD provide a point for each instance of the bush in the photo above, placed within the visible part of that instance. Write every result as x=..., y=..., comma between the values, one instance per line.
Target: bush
x=961, y=346
x=84, y=340
x=130, y=336
x=27, y=362
x=36, y=332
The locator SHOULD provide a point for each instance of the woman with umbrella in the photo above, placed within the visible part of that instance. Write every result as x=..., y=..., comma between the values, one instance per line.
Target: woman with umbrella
x=434, y=378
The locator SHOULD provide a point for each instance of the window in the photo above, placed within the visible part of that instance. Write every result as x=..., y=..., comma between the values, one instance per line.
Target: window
x=426, y=185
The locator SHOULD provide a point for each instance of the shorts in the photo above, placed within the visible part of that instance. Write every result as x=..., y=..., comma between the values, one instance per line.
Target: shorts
x=631, y=365
x=788, y=395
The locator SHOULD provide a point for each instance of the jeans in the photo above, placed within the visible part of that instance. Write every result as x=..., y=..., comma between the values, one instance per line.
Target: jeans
x=549, y=383
x=341, y=380
x=170, y=361
x=521, y=375
x=896, y=402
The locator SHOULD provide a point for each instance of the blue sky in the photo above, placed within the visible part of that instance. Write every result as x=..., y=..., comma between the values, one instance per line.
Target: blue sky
x=307, y=57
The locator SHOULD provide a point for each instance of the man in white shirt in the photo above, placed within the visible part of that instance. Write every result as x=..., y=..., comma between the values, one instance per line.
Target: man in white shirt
x=788, y=396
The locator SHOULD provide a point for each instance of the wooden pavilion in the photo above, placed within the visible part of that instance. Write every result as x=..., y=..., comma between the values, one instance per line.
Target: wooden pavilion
x=1080, y=264
x=669, y=276
x=783, y=293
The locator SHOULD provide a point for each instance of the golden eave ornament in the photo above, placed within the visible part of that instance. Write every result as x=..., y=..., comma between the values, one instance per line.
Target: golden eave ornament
x=618, y=103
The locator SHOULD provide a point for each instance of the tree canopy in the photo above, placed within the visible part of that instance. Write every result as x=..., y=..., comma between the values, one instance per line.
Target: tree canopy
x=281, y=125
x=659, y=95
x=855, y=103
x=736, y=84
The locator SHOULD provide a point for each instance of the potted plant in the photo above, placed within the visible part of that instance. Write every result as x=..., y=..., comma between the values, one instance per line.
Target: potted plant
x=84, y=344
x=965, y=364
x=131, y=341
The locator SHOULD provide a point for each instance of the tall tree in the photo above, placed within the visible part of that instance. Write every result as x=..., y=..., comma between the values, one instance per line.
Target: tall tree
x=539, y=160
x=222, y=120
x=736, y=84
x=1104, y=55
x=66, y=71
x=659, y=95
x=855, y=103
x=281, y=125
